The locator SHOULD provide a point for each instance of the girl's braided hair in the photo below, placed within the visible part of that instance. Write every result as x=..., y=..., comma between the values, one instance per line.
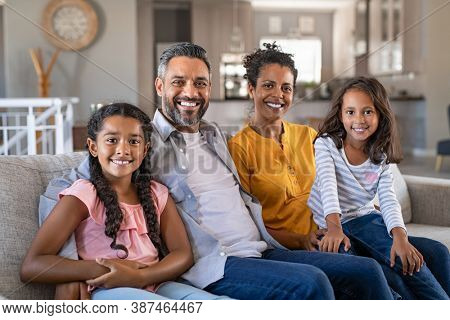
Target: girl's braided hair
x=141, y=178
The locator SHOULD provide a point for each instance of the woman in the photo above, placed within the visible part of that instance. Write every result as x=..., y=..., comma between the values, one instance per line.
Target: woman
x=275, y=161
x=275, y=158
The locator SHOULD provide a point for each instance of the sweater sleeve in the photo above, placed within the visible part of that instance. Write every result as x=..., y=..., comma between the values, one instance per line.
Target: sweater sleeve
x=389, y=205
x=326, y=174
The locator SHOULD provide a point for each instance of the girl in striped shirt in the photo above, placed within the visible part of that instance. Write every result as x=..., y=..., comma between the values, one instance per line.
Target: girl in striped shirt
x=353, y=149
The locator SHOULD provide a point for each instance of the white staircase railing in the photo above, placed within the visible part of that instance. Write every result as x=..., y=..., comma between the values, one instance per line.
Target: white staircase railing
x=36, y=125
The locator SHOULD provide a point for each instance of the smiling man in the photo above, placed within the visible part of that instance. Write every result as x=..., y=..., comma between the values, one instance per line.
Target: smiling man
x=184, y=88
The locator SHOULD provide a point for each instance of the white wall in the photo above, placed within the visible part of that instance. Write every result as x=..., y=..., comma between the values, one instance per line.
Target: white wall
x=437, y=71
x=108, y=70
x=343, y=41
x=211, y=29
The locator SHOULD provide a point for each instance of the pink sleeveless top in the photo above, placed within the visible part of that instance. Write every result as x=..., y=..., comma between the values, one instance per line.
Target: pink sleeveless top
x=90, y=235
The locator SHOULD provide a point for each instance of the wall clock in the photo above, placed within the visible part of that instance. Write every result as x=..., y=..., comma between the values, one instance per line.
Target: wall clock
x=70, y=24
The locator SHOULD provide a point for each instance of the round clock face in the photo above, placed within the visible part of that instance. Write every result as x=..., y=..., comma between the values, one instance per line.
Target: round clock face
x=70, y=24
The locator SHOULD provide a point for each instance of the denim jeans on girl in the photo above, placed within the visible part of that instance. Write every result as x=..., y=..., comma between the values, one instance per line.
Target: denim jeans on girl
x=296, y=274
x=368, y=235
x=167, y=290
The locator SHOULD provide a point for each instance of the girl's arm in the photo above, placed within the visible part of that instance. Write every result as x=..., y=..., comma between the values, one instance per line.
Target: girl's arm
x=334, y=236
x=42, y=263
x=178, y=261
x=389, y=206
x=326, y=173
x=411, y=258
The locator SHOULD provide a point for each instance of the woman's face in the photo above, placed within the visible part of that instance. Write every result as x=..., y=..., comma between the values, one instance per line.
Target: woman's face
x=273, y=93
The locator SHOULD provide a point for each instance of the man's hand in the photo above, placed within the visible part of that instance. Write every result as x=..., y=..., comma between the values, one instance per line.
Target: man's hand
x=410, y=257
x=72, y=291
x=124, y=273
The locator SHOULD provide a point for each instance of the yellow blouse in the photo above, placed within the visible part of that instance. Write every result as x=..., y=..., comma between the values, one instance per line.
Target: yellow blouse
x=279, y=177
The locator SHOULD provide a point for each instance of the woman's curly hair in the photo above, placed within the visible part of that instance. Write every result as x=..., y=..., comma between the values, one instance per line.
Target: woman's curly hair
x=141, y=178
x=384, y=142
x=272, y=53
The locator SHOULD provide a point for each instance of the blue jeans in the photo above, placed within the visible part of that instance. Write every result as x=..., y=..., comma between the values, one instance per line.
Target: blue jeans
x=295, y=275
x=167, y=290
x=369, y=236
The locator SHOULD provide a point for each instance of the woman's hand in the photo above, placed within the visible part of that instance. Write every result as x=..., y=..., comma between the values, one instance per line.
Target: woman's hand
x=333, y=239
x=410, y=257
x=311, y=241
x=123, y=273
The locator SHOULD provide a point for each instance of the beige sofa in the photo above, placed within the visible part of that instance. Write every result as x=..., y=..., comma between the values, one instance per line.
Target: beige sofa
x=24, y=178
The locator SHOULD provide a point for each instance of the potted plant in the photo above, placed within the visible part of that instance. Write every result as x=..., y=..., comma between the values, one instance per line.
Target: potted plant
x=310, y=88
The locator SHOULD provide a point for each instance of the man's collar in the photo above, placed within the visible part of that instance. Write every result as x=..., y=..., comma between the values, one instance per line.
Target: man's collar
x=165, y=128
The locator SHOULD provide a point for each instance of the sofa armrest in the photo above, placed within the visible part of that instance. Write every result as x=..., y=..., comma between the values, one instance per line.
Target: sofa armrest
x=430, y=200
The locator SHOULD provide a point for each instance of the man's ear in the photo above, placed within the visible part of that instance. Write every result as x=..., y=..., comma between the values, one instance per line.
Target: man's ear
x=159, y=86
x=92, y=147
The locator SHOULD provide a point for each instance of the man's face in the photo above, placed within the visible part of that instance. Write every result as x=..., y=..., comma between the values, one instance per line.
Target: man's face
x=185, y=92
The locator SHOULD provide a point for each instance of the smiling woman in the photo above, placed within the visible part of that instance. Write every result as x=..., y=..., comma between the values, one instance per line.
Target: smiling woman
x=275, y=158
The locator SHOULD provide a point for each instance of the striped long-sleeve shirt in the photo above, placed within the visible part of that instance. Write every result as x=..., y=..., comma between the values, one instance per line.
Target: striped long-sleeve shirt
x=349, y=190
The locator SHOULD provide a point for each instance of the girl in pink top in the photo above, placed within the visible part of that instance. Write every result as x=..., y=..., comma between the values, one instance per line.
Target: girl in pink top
x=130, y=238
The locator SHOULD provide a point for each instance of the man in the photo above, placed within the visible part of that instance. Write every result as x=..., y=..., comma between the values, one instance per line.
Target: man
x=234, y=254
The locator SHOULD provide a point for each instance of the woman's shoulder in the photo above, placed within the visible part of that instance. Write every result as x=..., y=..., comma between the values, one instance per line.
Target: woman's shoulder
x=301, y=129
x=241, y=135
x=244, y=139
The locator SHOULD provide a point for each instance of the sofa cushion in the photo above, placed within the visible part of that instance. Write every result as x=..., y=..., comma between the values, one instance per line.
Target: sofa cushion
x=441, y=234
x=24, y=179
x=401, y=191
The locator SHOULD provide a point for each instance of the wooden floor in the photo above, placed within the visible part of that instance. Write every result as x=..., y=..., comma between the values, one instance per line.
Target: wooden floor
x=424, y=166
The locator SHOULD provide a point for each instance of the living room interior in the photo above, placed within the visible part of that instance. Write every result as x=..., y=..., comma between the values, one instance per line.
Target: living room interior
x=399, y=42
x=61, y=60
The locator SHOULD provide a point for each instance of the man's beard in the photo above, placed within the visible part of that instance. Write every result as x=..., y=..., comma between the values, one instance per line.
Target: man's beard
x=175, y=115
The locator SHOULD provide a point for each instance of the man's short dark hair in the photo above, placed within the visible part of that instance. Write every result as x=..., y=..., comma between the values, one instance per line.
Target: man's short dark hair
x=182, y=49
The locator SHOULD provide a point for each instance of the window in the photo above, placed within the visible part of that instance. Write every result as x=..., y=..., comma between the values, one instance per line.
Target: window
x=307, y=56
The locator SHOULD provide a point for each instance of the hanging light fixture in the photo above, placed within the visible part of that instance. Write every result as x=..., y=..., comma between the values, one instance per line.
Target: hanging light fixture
x=236, y=38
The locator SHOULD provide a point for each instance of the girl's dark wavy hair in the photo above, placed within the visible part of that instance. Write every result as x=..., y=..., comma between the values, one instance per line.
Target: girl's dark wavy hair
x=272, y=53
x=141, y=178
x=384, y=142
